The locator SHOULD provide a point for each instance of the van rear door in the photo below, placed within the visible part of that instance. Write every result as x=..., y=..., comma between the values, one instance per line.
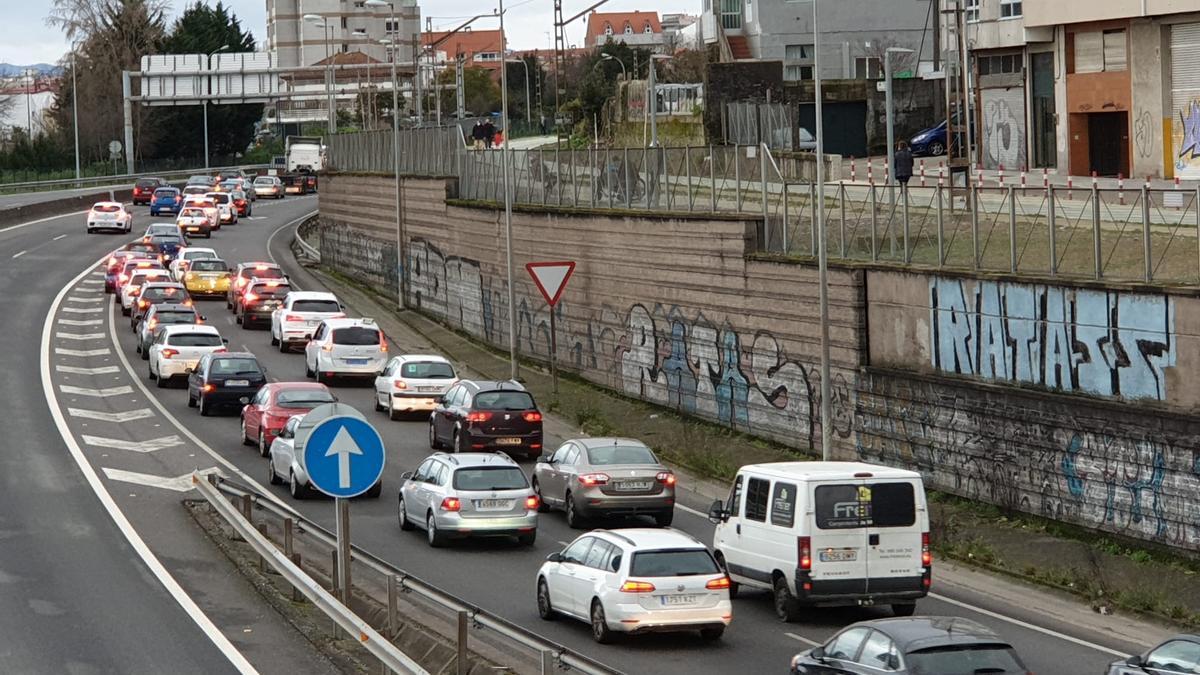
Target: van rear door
x=894, y=536
x=839, y=537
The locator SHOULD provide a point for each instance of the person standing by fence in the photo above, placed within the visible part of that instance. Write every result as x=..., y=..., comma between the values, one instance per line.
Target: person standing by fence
x=903, y=169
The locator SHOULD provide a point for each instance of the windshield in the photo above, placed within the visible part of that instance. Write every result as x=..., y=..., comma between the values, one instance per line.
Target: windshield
x=166, y=241
x=303, y=398
x=162, y=229
x=490, y=478
x=210, y=266
x=503, y=400
x=356, y=335
x=235, y=366
x=194, y=340
x=325, y=306
x=427, y=370
x=192, y=213
x=106, y=208
x=175, y=317
x=620, y=454
x=965, y=660
x=145, y=183
x=677, y=563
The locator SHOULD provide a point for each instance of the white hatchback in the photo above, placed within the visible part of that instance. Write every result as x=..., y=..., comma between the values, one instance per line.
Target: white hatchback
x=178, y=347
x=209, y=207
x=183, y=259
x=109, y=216
x=413, y=383
x=636, y=580
x=300, y=314
x=345, y=347
x=226, y=212
x=133, y=287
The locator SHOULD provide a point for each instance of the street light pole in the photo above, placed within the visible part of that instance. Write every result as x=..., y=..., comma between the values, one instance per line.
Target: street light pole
x=400, y=254
x=528, y=110
x=508, y=238
x=204, y=104
x=75, y=109
x=652, y=104
x=891, y=115
x=331, y=126
x=822, y=258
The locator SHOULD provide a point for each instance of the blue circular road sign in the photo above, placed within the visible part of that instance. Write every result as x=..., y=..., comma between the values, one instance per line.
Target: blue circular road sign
x=343, y=456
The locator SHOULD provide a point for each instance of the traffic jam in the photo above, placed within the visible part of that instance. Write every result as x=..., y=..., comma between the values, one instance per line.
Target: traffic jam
x=803, y=536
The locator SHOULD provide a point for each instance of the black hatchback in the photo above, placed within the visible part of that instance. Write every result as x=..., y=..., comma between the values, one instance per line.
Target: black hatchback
x=224, y=380
x=933, y=645
x=477, y=415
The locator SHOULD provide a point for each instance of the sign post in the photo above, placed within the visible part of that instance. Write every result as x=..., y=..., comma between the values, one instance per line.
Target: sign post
x=551, y=279
x=344, y=458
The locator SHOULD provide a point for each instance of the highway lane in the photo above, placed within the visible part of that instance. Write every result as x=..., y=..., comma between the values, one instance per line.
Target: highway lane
x=27, y=198
x=499, y=576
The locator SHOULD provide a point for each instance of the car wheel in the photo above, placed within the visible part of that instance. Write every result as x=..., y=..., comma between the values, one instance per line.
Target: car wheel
x=787, y=609
x=144, y=351
x=284, y=347
x=375, y=490
x=272, y=477
x=402, y=516
x=712, y=634
x=664, y=519
x=378, y=406
x=545, y=609
x=205, y=410
x=434, y=443
x=263, y=449
x=319, y=378
x=274, y=341
x=904, y=609
x=237, y=318
x=527, y=538
x=600, y=631
x=458, y=442
x=936, y=148
x=393, y=414
x=245, y=439
x=161, y=382
x=297, y=490
x=543, y=507
x=308, y=372
x=435, y=537
x=150, y=372
x=574, y=521
x=191, y=401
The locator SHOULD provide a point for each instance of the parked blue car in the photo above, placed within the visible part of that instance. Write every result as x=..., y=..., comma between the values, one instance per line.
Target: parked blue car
x=929, y=142
x=165, y=200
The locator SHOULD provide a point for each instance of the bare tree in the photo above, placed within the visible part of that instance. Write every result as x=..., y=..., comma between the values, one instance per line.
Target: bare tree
x=7, y=103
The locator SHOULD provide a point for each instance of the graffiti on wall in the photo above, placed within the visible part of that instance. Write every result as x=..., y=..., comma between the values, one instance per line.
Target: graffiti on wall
x=1003, y=134
x=1113, y=472
x=1104, y=343
x=664, y=354
x=1187, y=141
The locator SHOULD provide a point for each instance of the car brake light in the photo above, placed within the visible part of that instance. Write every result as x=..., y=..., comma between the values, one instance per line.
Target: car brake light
x=593, y=479
x=451, y=504
x=188, y=302
x=532, y=416
x=151, y=323
x=112, y=261
x=208, y=387
x=137, y=191
x=169, y=353
x=717, y=584
x=531, y=502
x=400, y=384
x=177, y=200
x=637, y=587
x=142, y=303
x=293, y=317
x=665, y=477
x=926, y=554
x=804, y=552
x=479, y=416
x=220, y=350
x=250, y=297
x=260, y=267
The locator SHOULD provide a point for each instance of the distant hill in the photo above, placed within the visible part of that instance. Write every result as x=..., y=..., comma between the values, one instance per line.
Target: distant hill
x=10, y=70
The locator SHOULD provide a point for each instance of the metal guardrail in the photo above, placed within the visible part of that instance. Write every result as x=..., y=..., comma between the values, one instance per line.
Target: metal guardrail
x=105, y=181
x=553, y=655
x=380, y=647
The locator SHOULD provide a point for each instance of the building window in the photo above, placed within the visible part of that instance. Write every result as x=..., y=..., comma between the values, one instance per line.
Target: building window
x=972, y=11
x=1100, y=51
x=392, y=27
x=1010, y=9
x=360, y=4
x=999, y=64
x=343, y=23
x=487, y=56
x=798, y=61
x=628, y=29
x=868, y=68
x=648, y=29
x=1114, y=50
x=608, y=29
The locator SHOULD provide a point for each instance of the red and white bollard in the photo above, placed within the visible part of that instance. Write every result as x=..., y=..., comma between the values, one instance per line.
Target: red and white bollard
x=1022, y=179
x=1045, y=179
x=853, y=173
x=1121, y=189
x=922, y=173
x=979, y=183
x=1001, y=175
x=870, y=171
x=1094, y=181
x=1070, y=187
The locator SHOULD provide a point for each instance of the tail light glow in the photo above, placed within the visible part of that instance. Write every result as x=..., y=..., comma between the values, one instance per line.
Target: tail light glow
x=477, y=417
x=250, y=297
x=665, y=477
x=717, y=584
x=532, y=416
x=383, y=346
x=531, y=502
x=593, y=479
x=804, y=552
x=293, y=317
x=637, y=587
x=208, y=387
x=400, y=384
x=169, y=353
x=926, y=554
x=451, y=504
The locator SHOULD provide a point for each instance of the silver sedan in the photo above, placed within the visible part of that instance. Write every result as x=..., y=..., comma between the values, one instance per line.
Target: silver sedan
x=605, y=477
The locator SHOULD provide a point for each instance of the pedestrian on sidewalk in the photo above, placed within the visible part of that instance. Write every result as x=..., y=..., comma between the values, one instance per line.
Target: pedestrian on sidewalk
x=903, y=169
x=477, y=135
x=489, y=132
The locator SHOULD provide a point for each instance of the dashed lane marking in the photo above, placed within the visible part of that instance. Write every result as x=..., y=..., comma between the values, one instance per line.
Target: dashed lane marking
x=80, y=322
x=1024, y=624
x=98, y=393
x=77, y=370
x=150, y=445
x=79, y=336
x=18, y=255
x=82, y=310
x=63, y=351
x=119, y=417
x=85, y=299
x=178, y=483
x=801, y=638
x=61, y=236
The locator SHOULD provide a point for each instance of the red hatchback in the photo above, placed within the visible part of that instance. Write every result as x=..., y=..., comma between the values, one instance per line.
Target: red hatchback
x=274, y=403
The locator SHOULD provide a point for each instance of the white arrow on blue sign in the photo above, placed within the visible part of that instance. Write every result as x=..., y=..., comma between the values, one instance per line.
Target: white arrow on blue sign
x=344, y=456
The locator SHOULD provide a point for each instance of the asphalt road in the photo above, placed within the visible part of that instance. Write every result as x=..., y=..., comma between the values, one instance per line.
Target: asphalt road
x=495, y=575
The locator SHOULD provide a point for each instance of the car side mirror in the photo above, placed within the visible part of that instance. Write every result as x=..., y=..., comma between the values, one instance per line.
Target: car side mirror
x=225, y=340
x=407, y=475
x=245, y=400
x=818, y=653
x=555, y=557
x=717, y=512
x=1135, y=661
x=204, y=318
x=545, y=459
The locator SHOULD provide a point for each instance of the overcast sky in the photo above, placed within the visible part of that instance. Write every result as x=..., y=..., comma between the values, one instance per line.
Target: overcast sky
x=25, y=38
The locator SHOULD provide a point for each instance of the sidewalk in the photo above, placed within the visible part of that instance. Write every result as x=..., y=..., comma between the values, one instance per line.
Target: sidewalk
x=864, y=170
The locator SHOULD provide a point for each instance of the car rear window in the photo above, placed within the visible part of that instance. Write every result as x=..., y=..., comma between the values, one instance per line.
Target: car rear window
x=198, y=255
x=166, y=192
x=159, y=293
x=210, y=266
x=199, y=180
x=965, y=659
x=193, y=213
x=106, y=208
x=490, y=478
x=427, y=370
x=303, y=398
x=234, y=366
x=503, y=400
x=140, y=246
x=263, y=181
x=146, y=182
x=620, y=454
x=194, y=340
x=175, y=317
x=355, y=335
x=265, y=291
x=262, y=272
x=162, y=240
x=673, y=563
x=871, y=505
x=327, y=306
x=221, y=198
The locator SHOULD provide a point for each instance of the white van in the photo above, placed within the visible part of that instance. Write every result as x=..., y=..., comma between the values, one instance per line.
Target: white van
x=825, y=534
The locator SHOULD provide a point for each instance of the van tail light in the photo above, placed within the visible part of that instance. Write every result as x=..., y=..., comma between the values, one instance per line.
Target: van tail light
x=293, y=317
x=400, y=384
x=532, y=416
x=477, y=417
x=169, y=353
x=382, y=344
x=531, y=503
x=804, y=552
x=666, y=478
x=593, y=479
x=637, y=587
x=926, y=554
x=717, y=584
x=451, y=504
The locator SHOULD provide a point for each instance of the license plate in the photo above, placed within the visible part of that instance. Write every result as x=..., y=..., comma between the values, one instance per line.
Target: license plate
x=357, y=362
x=312, y=323
x=193, y=228
x=493, y=504
x=632, y=485
x=838, y=555
x=508, y=441
x=237, y=383
x=429, y=388
x=679, y=599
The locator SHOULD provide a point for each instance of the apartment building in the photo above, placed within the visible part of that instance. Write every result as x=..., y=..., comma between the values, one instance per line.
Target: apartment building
x=294, y=42
x=636, y=29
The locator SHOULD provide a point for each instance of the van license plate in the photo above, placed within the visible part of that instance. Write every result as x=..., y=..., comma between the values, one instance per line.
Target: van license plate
x=838, y=555
x=679, y=599
x=508, y=441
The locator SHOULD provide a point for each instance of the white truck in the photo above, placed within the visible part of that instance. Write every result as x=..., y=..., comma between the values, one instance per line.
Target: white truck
x=304, y=157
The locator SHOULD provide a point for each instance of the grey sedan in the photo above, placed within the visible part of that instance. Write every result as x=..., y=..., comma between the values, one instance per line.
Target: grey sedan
x=605, y=477
x=1180, y=654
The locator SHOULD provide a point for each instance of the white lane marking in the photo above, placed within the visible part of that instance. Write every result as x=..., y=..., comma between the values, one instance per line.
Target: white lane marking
x=83, y=310
x=79, y=336
x=150, y=445
x=81, y=322
x=18, y=255
x=178, y=483
x=800, y=638
x=77, y=370
x=135, y=540
x=690, y=510
x=91, y=282
x=87, y=300
x=118, y=417
x=61, y=236
x=42, y=220
x=98, y=393
x=63, y=351
x=1024, y=624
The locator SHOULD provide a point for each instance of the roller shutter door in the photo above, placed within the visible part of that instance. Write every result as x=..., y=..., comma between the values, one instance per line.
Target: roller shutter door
x=1002, y=140
x=1185, y=99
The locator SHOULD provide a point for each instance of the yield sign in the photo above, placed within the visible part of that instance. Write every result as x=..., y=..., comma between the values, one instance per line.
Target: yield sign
x=551, y=278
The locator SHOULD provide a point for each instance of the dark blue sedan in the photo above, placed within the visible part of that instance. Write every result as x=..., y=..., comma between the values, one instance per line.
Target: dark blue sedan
x=168, y=247
x=166, y=200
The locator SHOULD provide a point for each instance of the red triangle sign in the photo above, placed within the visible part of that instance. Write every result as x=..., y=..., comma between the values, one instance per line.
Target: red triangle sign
x=551, y=278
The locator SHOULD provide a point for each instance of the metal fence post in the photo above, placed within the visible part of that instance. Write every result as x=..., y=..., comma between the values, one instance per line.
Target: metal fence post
x=628, y=186
x=712, y=177
x=393, y=608
x=288, y=546
x=1196, y=208
x=941, y=229
x=1052, y=221
x=1099, y=270
x=1012, y=229
x=1147, y=254
x=973, y=197
x=842, y=218
x=762, y=171
x=874, y=226
x=571, y=177
x=907, y=248
x=609, y=187
x=812, y=204
x=687, y=161
x=786, y=219
x=547, y=662
x=463, y=664
x=737, y=178
x=595, y=180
